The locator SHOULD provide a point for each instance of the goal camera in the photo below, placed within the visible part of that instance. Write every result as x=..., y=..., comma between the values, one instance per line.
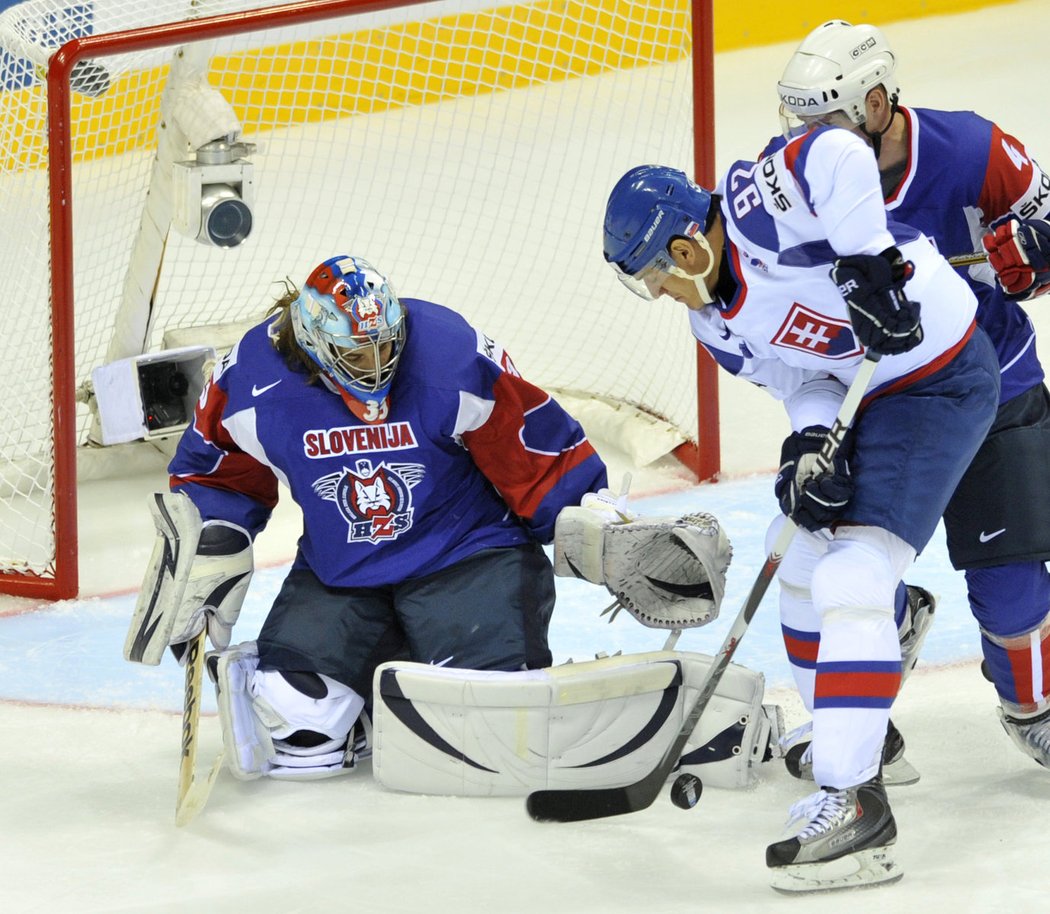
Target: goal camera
x=150, y=395
x=164, y=387
x=213, y=194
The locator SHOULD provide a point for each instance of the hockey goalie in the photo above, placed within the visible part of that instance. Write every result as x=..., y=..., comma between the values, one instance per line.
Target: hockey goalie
x=429, y=474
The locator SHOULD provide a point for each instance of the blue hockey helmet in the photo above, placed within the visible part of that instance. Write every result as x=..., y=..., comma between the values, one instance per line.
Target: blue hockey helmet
x=649, y=206
x=349, y=321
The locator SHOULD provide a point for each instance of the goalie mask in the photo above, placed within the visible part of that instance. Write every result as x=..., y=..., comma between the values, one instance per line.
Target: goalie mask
x=648, y=207
x=349, y=321
x=828, y=78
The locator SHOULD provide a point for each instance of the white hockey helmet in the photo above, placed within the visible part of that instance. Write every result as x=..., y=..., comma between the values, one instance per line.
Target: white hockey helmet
x=833, y=70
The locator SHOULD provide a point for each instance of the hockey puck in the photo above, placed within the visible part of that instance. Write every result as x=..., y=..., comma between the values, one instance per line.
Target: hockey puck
x=686, y=790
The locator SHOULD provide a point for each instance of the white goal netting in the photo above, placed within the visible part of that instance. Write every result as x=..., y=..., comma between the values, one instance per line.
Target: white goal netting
x=465, y=149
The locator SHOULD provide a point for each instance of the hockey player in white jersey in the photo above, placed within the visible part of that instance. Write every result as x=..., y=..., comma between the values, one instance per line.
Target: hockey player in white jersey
x=965, y=183
x=790, y=272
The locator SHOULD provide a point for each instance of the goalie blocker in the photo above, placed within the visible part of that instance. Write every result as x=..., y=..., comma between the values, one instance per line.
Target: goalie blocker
x=602, y=723
x=198, y=575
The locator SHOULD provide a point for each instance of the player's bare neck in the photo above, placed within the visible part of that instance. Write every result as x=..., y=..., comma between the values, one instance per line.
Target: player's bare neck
x=896, y=145
x=724, y=285
x=716, y=237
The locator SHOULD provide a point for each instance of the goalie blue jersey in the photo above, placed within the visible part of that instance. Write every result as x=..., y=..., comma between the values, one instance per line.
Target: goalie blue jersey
x=470, y=456
x=962, y=173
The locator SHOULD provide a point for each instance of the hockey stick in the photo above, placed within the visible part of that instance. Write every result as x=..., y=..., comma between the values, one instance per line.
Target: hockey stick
x=575, y=805
x=193, y=792
x=967, y=260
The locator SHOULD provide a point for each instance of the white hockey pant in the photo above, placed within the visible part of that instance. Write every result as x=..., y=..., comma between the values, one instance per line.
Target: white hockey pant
x=292, y=726
x=839, y=592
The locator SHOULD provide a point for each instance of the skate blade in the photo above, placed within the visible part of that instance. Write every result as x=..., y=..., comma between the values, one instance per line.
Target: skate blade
x=874, y=866
x=900, y=773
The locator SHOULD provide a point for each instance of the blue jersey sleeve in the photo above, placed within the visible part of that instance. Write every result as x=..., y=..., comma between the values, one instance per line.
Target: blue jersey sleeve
x=224, y=480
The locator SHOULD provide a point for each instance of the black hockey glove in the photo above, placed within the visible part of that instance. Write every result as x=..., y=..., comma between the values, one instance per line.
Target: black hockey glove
x=883, y=318
x=811, y=501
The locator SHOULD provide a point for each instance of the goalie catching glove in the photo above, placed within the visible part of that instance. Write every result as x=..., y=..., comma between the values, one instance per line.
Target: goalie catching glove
x=198, y=575
x=610, y=506
x=666, y=572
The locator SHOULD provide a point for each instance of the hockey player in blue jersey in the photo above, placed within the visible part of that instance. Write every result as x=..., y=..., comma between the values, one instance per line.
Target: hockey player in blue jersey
x=790, y=271
x=429, y=473
x=965, y=183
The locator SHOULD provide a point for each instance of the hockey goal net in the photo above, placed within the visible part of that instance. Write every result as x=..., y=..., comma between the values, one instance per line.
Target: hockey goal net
x=465, y=148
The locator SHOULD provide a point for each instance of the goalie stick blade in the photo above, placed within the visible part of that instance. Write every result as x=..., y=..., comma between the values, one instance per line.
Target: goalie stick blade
x=190, y=805
x=197, y=796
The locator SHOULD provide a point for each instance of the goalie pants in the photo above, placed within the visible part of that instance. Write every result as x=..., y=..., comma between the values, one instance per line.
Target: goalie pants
x=490, y=611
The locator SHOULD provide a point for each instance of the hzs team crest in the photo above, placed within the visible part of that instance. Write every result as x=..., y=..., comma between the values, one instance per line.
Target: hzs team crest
x=376, y=502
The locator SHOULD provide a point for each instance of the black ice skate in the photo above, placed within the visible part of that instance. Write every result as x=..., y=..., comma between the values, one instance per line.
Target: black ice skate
x=842, y=839
x=896, y=769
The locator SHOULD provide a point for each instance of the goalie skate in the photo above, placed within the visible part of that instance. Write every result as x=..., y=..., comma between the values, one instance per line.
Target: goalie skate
x=844, y=840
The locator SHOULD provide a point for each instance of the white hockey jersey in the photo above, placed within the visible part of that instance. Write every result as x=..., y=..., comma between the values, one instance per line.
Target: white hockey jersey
x=780, y=321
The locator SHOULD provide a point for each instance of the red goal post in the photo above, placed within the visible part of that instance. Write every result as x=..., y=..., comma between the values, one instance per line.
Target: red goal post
x=465, y=148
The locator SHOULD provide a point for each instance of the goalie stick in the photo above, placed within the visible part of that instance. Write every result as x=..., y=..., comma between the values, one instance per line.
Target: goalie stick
x=193, y=792
x=576, y=805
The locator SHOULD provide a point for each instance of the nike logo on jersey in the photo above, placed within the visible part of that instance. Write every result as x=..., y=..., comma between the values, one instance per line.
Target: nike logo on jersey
x=986, y=537
x=258, y=391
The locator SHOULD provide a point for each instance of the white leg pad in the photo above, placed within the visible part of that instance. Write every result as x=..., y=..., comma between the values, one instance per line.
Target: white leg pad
x=245, y=737
x=736, y=732
x=178, y=525
x=272, y=728
x=603, y=723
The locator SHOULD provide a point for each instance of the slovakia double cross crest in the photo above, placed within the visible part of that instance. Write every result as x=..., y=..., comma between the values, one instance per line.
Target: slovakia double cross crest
x=374, y=500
